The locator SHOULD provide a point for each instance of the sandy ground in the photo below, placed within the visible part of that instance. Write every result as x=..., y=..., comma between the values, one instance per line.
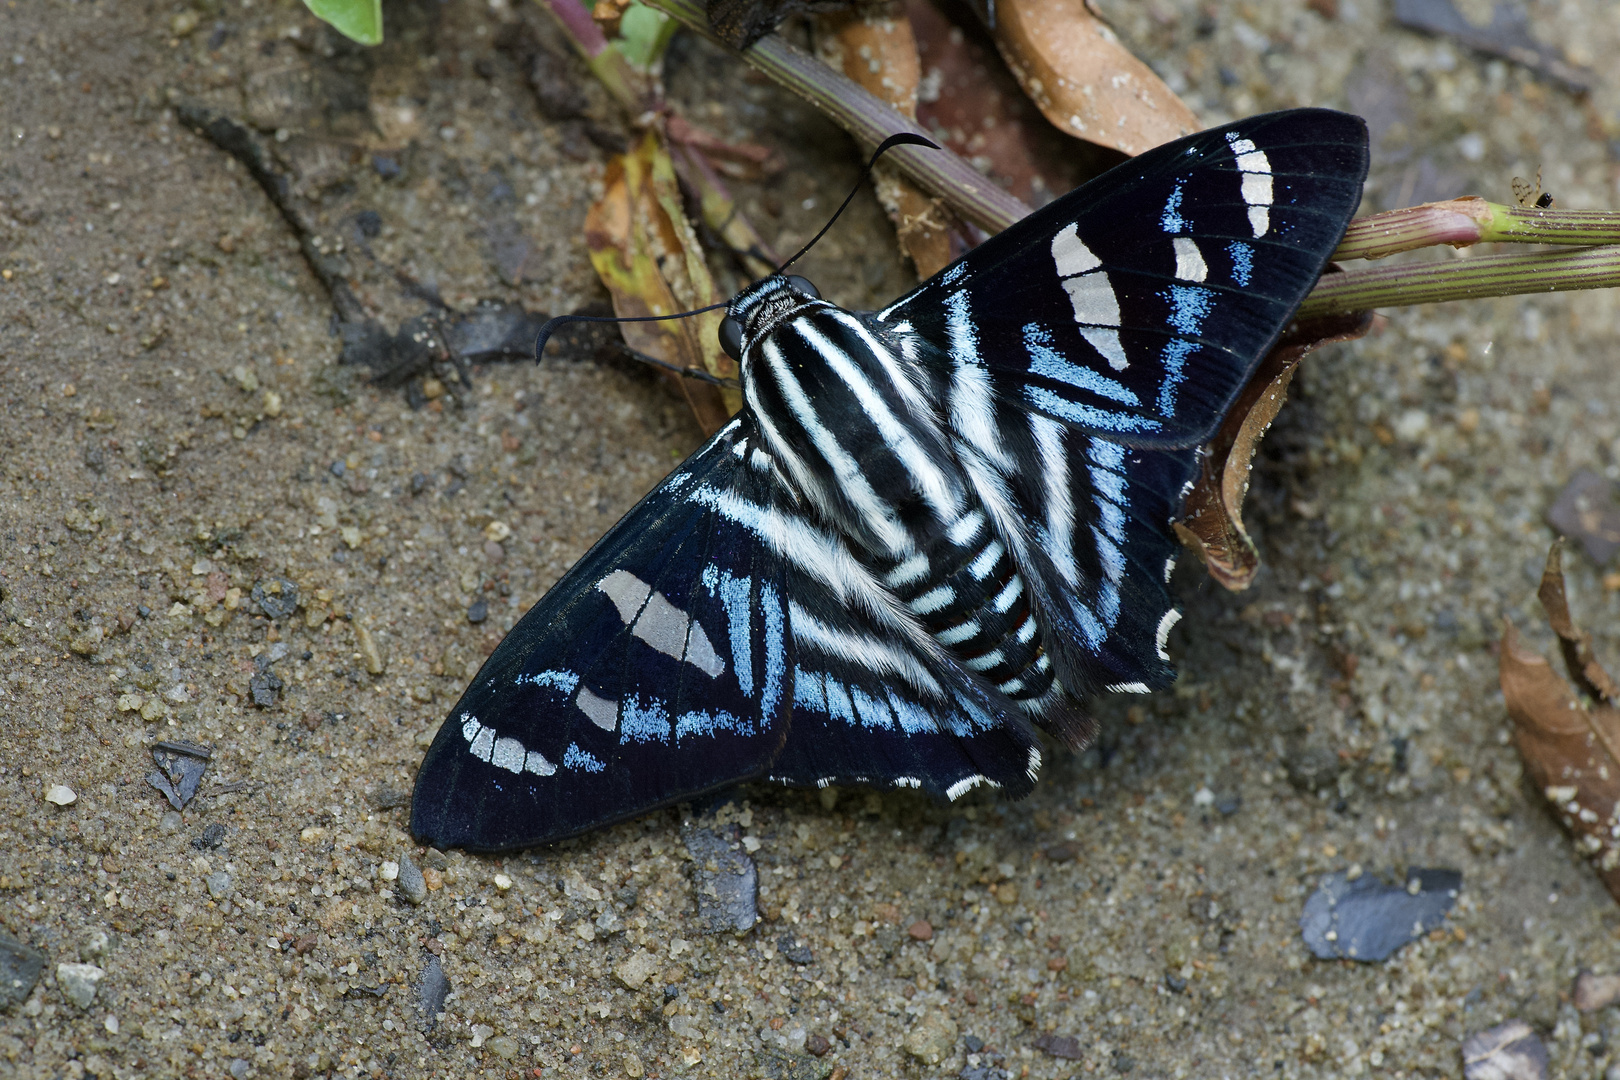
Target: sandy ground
x=176, y=431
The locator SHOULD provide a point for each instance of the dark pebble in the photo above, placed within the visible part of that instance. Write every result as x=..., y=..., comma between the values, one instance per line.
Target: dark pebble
x=1368, y=920
x=1175, y=983
x=794, y=952
x=419, y=483
x=20, y=968
x=386, y=167
x=1066, y=1047
x=339, y=468
x=432, y=991
x=369, y=223
x=1230, y=805
x=276, y=597
x=478, y=612
x=212, y=836
x=384, y=797
x=143, y=611
x=727, y=883
x=1067, y=851
x=973, y=1043
x=818, y=1045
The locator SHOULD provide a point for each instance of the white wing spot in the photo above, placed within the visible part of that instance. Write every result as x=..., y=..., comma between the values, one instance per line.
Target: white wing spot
x=907, y=781
x=1071, y=255
x=603, y=713
x=1190, y=265
x=1170, y=619
x=700, y=652
x=627, y=592
x=1096, y=308
x=662, y=625
x=508, y=754
x=1129, y=688
x=1257, y=182
x=483, y=744
x=536, y=763
x=962, y=787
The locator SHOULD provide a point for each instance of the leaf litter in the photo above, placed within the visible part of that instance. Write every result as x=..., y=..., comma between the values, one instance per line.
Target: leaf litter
x=1568, y=735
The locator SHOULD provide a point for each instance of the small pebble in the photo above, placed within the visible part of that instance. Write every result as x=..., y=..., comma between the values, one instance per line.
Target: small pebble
x=219, y=884
x=1594, y=992
x=78, y=982
x=60, y=794
x=20, y=968
x=931, y=1039
x=111, y=1024
x=389, y=871
x=170, y=821
x=478, y=611
x=921, y=930
x=1508, y=1051
x=212, y=836
x=634, y=970
x=502, y=882
x=412, y=885
x=504, y=1047
x=240, y=1068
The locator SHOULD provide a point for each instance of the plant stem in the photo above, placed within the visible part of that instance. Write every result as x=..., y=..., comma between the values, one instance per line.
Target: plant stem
x=1472, y=220
x=608, y=64
x=870, y=120
x=1464, y=279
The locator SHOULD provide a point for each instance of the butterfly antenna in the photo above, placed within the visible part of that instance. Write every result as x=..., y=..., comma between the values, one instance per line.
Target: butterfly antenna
x=904, y=138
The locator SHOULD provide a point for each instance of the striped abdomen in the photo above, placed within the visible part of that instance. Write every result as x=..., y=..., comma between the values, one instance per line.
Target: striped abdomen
x=854, y=432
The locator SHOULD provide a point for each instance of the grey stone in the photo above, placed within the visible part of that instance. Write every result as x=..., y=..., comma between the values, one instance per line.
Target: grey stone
x=725, y=880
x=432, y=991
x=1508, y=1051
x=20, y=967
x=78, y=982
x=1366, y=919
x=412, y=886
x=219, y=884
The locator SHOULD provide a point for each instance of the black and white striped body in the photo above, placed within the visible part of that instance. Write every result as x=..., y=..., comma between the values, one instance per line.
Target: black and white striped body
x=854, y=429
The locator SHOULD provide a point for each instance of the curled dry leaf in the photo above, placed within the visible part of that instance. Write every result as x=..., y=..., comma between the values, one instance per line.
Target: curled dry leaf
x=647, y=254
x=1212, y=521
x=875, y=48
x=1072, y=65
x=1570, y=742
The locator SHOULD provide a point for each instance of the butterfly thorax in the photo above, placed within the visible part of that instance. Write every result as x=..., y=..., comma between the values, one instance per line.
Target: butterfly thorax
x=856, y=432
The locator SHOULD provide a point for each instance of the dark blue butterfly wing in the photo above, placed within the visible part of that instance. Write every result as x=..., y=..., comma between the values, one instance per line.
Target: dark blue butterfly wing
x=714, y=635
x=658, y=668
x=1136, y=306
x=1085, y=353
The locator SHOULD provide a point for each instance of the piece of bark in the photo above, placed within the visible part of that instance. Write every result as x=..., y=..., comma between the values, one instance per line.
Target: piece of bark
x=1570, y=742
x=647, y=254
x=875, y=48
x=1073, y=66
x=1212, y=519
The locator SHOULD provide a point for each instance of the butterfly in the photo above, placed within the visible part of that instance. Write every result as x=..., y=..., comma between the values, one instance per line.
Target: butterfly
x=932, y=531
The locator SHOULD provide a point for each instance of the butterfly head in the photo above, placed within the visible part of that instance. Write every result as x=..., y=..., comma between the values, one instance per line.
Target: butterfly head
x=757, y=308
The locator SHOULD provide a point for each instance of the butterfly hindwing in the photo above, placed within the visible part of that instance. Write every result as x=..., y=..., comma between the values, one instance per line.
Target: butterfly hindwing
x=1136, y=306
x=656, y=669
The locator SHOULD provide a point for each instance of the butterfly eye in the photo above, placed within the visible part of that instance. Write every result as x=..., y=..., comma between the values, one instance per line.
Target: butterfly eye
x=802, y=287
x=731, y=338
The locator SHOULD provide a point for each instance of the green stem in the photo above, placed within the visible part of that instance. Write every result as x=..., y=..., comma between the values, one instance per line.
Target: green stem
x=870, y=120
x=1472, y=220
x=627, y=85
x=1463, y=279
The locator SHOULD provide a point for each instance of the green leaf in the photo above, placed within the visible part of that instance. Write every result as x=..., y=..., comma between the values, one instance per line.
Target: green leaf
x=643, y=35
x=357, y=20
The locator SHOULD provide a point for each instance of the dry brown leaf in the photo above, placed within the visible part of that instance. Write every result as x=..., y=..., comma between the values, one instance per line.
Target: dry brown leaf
x=647, y=254
x=970, y=102
x=1212, y=521
x=1570, y=744
x=874, y=47
x=1575, y=643
x=1070, y=64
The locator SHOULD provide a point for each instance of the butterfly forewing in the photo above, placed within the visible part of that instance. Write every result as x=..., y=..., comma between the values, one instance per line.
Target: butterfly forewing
x=1136, y=306
x=659, y=667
